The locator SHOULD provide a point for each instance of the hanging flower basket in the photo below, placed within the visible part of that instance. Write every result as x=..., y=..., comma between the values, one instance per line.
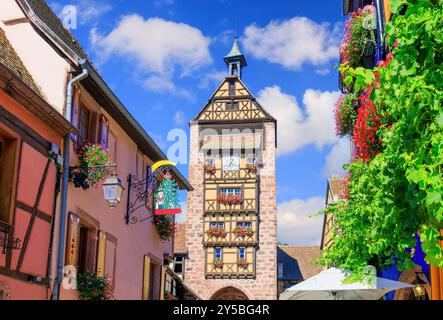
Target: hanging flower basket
x=230, y=199
x=94, y=287
x=243, y=264
x=218, y=264
x=210, y=168
x=251, y=168
x=346, y=114
x=94, y=166
x=243, y=232
x=165, y=227
x=359, y=37
x=217, y=232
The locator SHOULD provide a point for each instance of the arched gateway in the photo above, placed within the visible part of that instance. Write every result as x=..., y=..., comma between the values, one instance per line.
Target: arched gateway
x=229, y=293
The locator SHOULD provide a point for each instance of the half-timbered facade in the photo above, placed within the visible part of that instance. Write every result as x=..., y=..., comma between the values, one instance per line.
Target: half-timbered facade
x=231, y=223
x=30, y=136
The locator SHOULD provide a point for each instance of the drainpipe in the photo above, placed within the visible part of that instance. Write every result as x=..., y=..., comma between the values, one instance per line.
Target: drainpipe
x=380, y=30
x=63, y=213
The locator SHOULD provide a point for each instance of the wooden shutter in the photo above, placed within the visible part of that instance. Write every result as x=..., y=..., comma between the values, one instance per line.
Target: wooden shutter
x=387, y=8
x=101, y=253
x=72, y=240
x=150, y=186
x=104, y=132
x=75, y=112
x=146, y=277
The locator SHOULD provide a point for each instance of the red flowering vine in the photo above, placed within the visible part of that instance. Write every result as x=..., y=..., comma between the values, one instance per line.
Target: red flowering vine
x=165, y=227
x=366, y=139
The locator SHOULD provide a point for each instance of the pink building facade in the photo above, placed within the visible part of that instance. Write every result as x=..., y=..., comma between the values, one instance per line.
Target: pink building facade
x=93, y=237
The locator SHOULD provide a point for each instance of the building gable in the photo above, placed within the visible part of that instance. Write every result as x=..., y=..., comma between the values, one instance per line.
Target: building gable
x=233, y=102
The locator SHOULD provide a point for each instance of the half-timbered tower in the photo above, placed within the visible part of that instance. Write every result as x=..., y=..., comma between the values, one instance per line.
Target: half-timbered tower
x=231, y=216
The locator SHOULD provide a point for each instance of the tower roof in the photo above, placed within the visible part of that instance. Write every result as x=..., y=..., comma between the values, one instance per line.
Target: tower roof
x=235, y=55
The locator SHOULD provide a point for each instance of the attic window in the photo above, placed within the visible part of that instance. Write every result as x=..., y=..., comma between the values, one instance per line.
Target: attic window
x=231, y=88
x=232, y=106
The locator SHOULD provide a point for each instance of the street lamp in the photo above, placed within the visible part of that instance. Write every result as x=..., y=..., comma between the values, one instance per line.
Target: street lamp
x=419, y=289
x=113, y=190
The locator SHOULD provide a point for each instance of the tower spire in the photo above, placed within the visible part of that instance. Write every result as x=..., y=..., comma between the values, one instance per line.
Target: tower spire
x=235, y=60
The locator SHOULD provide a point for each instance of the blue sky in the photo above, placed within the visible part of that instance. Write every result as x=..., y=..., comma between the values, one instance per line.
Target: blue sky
x=163, y=59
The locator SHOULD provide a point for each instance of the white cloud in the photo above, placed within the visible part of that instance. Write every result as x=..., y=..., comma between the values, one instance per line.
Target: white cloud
x=179, y=118
x=337, y=157
x=322, y=71
x=212, y=79
x=298, y=223
x=293, y=42
x=158, y=48
x=163, y=84
x=297, y=127
x=88, y=11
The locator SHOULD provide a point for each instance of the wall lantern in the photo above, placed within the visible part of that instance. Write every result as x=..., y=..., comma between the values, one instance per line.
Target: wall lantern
x=419, y=289
x=144, y=193
x=113, y=190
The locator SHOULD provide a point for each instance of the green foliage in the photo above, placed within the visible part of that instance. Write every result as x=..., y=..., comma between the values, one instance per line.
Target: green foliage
x=399, y=192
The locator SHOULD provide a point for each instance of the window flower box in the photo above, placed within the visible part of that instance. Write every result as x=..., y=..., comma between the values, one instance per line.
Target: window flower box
x=251, y=168
x=243, y=232
x=243, y=264
x=210, y=168
x=216, y=232
x=230, y=199
x=94, y=287
x=218, y=264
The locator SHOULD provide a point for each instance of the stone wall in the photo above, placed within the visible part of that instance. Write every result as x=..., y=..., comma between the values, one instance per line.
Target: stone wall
x=264, y=286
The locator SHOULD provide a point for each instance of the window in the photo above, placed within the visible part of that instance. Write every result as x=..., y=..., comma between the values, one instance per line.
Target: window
x=231, y=88
x=8, y=150
x=84, y=125
x=230, y=191
x=220, y=225
x=83, y=251
x=218, y=254
x=244, y=224
x=178, y=264
x=242, y=253
x=232, y=106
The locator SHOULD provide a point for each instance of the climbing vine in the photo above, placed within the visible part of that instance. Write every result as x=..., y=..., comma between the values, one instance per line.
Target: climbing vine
x=397, y=191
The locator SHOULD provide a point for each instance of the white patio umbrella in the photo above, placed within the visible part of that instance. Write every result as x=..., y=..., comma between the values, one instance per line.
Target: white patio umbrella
x=328, y=285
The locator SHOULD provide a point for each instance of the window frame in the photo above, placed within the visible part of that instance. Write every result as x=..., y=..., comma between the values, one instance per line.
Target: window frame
x=220, y=225
x=220, y=250
x=82, y=136
x=181, y=263
x=231, y=191
x=242, y=251
x=242, y=224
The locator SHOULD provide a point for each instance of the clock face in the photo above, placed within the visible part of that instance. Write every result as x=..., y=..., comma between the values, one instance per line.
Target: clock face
x=231, y=163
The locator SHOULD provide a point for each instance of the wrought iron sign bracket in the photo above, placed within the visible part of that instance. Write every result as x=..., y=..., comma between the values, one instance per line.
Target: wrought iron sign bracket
x=143, y=189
